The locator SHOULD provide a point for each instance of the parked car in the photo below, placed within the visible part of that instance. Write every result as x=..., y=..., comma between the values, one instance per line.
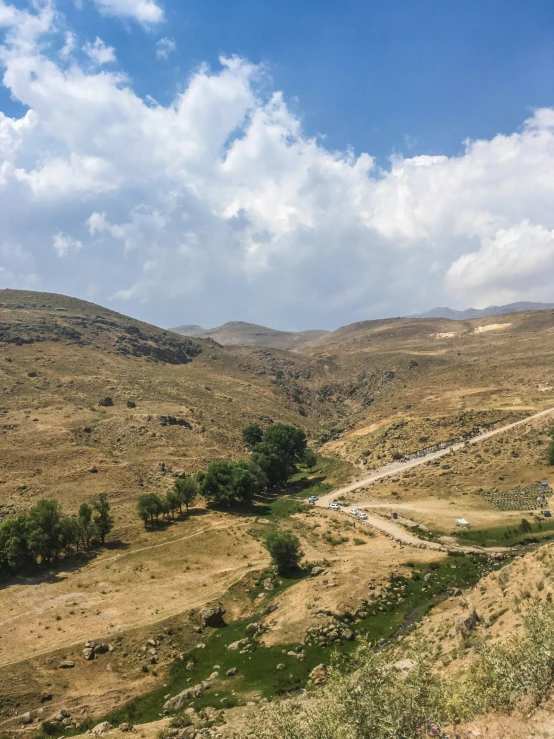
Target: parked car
x=312, y=499
x=362, y=516
x=334, y=506
x=353, y=512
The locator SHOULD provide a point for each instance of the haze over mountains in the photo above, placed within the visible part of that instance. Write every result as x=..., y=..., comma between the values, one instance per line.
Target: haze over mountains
x=241, y=333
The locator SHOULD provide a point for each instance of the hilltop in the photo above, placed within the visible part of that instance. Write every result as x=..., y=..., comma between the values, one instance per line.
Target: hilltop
x=239, y=333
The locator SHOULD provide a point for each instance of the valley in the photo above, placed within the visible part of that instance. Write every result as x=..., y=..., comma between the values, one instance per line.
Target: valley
x=427, y=419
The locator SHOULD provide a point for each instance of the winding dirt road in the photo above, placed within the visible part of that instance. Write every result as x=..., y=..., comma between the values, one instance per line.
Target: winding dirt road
x=395, y=530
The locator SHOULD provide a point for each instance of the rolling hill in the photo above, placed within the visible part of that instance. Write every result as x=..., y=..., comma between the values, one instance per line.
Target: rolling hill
x=238, y=333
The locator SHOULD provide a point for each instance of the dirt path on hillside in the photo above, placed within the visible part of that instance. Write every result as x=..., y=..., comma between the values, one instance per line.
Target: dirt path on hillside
x=395, y=530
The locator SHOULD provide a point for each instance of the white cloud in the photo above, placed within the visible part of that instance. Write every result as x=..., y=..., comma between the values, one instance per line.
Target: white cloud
x=98, y=52
x=219, y=206
x=64, y=244
x=146, y=12
x=165, y=47
x=69, y=46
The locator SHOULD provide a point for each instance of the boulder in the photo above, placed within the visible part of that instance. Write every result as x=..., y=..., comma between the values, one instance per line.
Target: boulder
x=102, y=728
x=66, y=664
x=126, y=727
x=467, y=622
x=317, y=571
x=280, y=666
x=88, y=653
x=319, y=673
x=45, y=696
x=232, y=671
x=27, y=718
x=240, y=644
x=179, y=700
x=101, y=649
x=268, y=584
x=348, y=634
x=212, y=615
x=269, y=609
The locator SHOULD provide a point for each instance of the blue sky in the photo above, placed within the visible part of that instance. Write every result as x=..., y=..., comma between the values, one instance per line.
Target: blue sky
x=322, y=177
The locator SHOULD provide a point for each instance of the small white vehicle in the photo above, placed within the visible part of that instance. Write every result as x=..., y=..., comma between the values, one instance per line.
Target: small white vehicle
x=312, y=499
x=362, y=516
x=353, y=512
x=334, y=506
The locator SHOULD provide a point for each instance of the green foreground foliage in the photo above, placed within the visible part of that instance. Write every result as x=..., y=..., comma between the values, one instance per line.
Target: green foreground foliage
x=45, y=533
x=367, y=697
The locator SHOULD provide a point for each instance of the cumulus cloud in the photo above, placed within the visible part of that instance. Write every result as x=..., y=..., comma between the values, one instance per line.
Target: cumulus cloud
x=218, y=205
x=98, y=52
x=165, y=47
x=146, y=12
x=64, y=244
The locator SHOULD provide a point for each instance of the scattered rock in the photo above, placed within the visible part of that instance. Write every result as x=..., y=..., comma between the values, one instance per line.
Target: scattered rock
x=280, y=666
x=66, y=664
x=189, y=732
x=317, y=571
x=27, y=718
x=131, y=404
x=45, y=696
x=268, y=584
x=232, y=671
x=126, y=727
x=106, y=403
x=88, y=653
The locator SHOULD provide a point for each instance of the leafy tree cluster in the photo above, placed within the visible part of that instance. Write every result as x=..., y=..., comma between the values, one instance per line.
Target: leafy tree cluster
x=275, y=454
x=45, y=533
x=151, y=506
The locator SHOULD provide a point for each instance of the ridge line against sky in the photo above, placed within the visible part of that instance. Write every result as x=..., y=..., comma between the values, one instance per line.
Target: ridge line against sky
x=217, y=203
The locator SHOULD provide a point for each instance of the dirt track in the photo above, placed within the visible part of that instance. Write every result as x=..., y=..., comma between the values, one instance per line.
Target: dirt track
x=398, y=532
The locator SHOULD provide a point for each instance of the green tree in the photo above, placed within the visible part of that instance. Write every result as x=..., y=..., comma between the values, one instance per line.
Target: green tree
x=103, y=521
x=43, y=525
x=149, y=506
x=252, y=435
x=187, y=491
x=310, y=458
x=173, y=501
x=284, y=548
x=69, y=533
x=14, y=550
x=85, y=524
x=282, y=448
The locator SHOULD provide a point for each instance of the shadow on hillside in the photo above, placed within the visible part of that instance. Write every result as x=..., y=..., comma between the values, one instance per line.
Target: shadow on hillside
x=262, y=504
x=116, y=545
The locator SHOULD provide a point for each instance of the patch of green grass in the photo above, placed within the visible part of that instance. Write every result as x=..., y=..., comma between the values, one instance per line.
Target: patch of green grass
x=406, y=601
x=507, y=536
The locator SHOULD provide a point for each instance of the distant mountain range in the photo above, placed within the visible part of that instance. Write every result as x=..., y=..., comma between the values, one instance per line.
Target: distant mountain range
x=240, y=333
x=492, y=310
